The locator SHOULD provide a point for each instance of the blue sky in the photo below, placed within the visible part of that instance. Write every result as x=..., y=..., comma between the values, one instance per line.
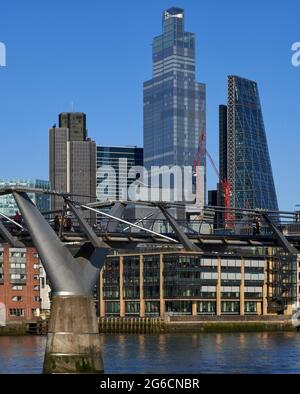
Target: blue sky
x=97, y=54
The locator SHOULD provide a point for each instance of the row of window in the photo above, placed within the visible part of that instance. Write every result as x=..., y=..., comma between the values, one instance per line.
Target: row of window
x=20, y=298
x=18, y=254
x=180, y=307
x=22, y=277
x=19, y=312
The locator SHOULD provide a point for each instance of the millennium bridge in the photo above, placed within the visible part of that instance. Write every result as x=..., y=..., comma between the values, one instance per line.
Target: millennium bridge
x=73, y=256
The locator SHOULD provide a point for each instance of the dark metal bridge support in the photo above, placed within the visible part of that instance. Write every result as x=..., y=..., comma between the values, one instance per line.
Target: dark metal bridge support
x=284, y=271
x=73, y=343
x=186, y=242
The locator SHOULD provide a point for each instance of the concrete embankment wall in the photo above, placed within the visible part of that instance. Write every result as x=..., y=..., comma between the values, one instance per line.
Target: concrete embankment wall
x=14, y=328
x=25, y=328
x=219, y=327
x=215, y=324
x=174, y=324
x=188, y=324
x=132, y=325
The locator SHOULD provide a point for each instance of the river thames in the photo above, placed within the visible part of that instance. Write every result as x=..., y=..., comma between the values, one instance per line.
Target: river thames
x=171, y=353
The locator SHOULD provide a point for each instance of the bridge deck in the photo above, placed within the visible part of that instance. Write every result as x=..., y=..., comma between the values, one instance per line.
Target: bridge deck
x=204, y=241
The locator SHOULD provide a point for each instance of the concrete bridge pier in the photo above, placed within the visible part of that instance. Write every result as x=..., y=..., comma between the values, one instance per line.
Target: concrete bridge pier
x=73, y=343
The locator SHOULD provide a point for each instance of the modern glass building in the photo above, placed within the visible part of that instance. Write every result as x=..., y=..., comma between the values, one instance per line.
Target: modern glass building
x=186, y=283
x=113, y=165
x=7, y=202
x=174, y=104
x=244, y=154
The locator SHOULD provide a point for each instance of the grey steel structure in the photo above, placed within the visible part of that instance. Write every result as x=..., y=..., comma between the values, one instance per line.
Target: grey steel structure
x=244, y=155
x=174, y=103
x=73, y=344
x=72, y=159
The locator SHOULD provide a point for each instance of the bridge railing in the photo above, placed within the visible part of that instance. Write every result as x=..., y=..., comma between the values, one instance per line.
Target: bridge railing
x=190, y=227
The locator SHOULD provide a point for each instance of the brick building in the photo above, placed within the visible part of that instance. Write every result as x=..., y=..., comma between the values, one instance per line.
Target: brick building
x=20, y=283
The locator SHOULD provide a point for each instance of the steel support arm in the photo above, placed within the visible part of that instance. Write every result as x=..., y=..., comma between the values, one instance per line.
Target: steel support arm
x=89, y=232
x=189, y=245
x=9, y=238
x=68, y=275
x=91, y=256
x=62, y=269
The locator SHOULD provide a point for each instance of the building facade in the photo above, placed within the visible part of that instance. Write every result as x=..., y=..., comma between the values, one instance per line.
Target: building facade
x=185, y=283
x=72, y=160
x=244, y=155
x=8, y=205
x=76, y=123
x=20, y=283
x=113, y=166
x=174, y=103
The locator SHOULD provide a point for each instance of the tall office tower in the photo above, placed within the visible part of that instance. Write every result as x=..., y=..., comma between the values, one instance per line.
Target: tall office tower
x=222, y=162
x=8, y=205
x=76, y=123
x=113, y=166
x=244, y=155
x=223, y=142
x=174, y=104
x=72, y=160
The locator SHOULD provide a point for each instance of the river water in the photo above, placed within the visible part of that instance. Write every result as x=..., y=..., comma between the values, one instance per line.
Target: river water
x=171, y=353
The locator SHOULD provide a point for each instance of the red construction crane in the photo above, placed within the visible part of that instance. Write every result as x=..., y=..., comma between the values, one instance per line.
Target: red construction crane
x=225, y=184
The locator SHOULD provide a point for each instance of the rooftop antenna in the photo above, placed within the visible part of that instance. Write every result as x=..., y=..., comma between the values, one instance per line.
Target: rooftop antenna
x=72, y=106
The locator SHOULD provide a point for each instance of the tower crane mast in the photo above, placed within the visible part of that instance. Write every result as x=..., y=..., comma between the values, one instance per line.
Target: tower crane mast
x=202, y=153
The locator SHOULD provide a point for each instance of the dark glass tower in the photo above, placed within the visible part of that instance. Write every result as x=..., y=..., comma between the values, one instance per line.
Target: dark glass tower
x=244, y=154
x=174, y=104
x=117, y=161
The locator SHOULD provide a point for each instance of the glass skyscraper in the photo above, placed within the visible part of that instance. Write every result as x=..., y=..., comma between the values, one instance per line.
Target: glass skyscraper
x=244, y=158
x=174, y=104
x=113, y=166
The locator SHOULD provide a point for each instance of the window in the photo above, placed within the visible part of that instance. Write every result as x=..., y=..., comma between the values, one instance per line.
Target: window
x=18, y=277
x=179, y=307
x=36, y=277
x=250, y=307
x=206, y=307
x=35, y=312
x=17, y=312
x=132, y=308
x=36, y=298
x=230, y=307
x=17, y=254
x=16, y=287
x=112, y=308
x=18, y=265
x=152, y=308
x=16, y=298
x=36, y=266
x=36, y=287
